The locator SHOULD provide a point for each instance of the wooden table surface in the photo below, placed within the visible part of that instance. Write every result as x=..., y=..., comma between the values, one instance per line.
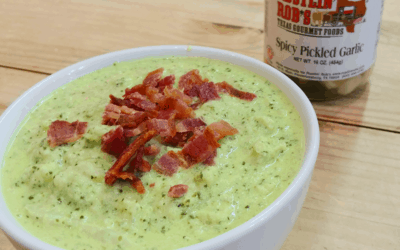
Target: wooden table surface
x=354, y=197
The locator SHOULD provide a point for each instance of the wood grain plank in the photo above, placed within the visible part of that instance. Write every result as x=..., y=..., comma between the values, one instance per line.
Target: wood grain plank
x=353, y=199
x=14, y=83
x=378, y=106
x=82, y=29
x=5, y=243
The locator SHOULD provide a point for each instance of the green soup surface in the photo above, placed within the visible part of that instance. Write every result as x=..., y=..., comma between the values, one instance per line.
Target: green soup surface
x=59, y=194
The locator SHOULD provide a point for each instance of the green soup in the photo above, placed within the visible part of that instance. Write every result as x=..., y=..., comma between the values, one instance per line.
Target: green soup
x=59, y=195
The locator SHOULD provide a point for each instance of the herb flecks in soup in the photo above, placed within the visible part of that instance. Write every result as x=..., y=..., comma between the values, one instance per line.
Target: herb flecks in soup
x=59, y=195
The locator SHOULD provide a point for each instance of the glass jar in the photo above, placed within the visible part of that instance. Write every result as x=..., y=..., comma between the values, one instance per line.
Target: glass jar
x=327, y=47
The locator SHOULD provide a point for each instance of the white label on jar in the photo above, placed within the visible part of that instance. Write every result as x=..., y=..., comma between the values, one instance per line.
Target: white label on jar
x=322, y=40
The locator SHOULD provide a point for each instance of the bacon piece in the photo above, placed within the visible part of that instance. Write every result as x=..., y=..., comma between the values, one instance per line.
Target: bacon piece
x=138, y=163
x=140, y=102
x=166, y=81
x=188, y=80
x=119, y=102
x=189, y=124
x=152, y=184
x=140, y=88
x=201, y=147
x=225, y=87
x=137, y=96
x=119, y=109
x=179, y=139
x=183, y=110
x=114, y=114
x=152, y=150
x=207, y=92
x=138, y=185
x=210, y=160
x=169, y=163
x=136, y=131
x=153, y=77
x=164, y=128
x=154, y=95
x=178, y=191
x=177, y=94
x=168, y=114
x=133, y=120
x=222, y=129
x=62, y=132
x=112, y=174
x=145, y=167
x=193, y=91
x=114, y=142
x=196, y=105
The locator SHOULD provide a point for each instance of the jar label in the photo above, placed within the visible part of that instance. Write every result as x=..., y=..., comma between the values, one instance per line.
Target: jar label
x=322, y=40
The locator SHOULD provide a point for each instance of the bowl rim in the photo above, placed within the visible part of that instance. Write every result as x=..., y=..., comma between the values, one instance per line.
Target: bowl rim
x=310, y=123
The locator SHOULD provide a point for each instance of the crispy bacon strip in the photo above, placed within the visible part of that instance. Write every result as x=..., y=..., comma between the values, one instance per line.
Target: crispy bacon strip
x=210, y=160
x=168, y=114
x=183, y=110
x=178, y=191
x=151, y=80
x=196, y=105
x=152, y=150
x=179, y=139
x=138, y=163
x=119, y=102
x=200, y=148
x=138, y=185
x=207, y=92
x=140, y=102
x=131, y=132
x=114, y=142
x=222, y=129
x=164, y=128
x=188, y=80
x=169, y=163
x=112, y=174
x=114, y=114
x=141, y=89
x=189, y=124
x=225, y=87
x=154, y=95
x=133, y=120
x=153, y=77
x=177, y=94
x=165, y=82
x=62, y=132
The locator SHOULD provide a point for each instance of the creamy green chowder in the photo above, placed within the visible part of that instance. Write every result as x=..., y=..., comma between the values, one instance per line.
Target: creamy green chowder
x=59, y=195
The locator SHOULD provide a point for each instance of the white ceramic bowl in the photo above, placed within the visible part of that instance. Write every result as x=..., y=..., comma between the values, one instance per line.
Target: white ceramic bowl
x=267, y=230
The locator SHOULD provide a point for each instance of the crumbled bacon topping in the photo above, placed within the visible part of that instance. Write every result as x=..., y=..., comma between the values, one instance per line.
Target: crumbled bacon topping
x=225, y=87
x=151, y=150
x=62, y=132
x=138, y=163
x=178, y=191
x=169, y=163
x=189, y=124
x=115, y=171
x=156, y=109
x=114, y=142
